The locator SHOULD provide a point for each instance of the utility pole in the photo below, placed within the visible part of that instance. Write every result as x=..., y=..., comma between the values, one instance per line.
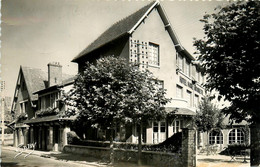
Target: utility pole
x=3, y=111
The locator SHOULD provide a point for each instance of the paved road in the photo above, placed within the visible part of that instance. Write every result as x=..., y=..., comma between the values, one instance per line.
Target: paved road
x=8, y=160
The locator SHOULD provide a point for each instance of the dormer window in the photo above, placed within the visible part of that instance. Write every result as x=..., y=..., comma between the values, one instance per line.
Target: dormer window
x=153, y=54
x=23, y=106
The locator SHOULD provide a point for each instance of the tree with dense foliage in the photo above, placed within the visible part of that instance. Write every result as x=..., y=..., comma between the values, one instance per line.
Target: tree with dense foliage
x=229, y=53
x=112, y=92
x=208, y=116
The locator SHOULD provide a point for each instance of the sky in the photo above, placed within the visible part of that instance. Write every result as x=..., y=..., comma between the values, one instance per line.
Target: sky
x=36, y=32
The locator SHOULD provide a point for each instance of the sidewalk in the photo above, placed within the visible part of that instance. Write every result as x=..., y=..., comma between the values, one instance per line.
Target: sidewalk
x=84, y=160
x=221, y=160
x=75, y=158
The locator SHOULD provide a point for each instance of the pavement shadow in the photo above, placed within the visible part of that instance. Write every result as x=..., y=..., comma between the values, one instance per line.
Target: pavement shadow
x=216, y=160
x=10, y=164
x=77, y=158
x=92, y=160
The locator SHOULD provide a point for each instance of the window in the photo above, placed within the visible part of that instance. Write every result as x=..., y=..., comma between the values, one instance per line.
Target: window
x=189, y=98
x=23, y=106
x=177, y=125
x=236, y=136
x=49, y=100
x=187, y=68
x=180, y=62
x=215, y=137
x=196, y=74
x=198, y=77
x=159, y=131
x=153, y=54
x=179, y=92
x=196, y=101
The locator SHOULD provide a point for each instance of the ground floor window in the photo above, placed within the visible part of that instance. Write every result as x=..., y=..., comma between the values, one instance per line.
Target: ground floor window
x=177, y=125
x=159, y=132
x=236, y=136
x=215, y=137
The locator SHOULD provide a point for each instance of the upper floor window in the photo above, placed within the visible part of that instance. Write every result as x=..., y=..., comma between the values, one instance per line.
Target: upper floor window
x=197, y=75
x=23, y=106
x=49, y=100
x=196, y=101
x=236, y=136
x=187, y=68
x=153, y=54
x=189, y=98
x=180, y=62
x=179, y=92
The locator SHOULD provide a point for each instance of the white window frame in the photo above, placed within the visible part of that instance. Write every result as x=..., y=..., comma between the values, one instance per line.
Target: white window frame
x=22, y=106
x=217, y=139
x=181, y=62
x=236, y=136
x=161, y=136
x=196, y=101
x=189, y=98
x=187, y=68
x=178, y=87
x=154, y=54
x=177, y=125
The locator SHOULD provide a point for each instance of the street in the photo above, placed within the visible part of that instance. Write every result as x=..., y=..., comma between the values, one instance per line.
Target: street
x=72, y=160
x=8, y=160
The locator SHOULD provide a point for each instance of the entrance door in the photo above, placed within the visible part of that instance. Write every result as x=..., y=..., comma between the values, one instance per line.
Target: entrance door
x=55, y=138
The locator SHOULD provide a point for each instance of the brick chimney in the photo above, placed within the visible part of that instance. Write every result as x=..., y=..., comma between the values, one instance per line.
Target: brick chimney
x=54, y=73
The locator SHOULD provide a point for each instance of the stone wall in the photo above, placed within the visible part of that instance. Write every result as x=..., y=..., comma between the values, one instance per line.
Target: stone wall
x=187, y=157
x=148, y=157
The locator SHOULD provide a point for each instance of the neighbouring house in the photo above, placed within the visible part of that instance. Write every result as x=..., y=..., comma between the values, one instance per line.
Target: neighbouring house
x=37, y=109
x=235, y=133
x=147, y=39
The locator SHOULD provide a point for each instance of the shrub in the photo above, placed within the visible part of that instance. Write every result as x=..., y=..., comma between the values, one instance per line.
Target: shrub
x=73, y=138
x=234, y=149
x=47, y=112
x=172, y=144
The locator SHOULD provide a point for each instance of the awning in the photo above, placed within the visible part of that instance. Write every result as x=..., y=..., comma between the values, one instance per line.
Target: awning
x=180, y=111
x=52, y=118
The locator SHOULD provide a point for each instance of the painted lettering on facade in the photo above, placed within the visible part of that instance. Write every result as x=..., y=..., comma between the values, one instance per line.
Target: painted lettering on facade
x=190, y=85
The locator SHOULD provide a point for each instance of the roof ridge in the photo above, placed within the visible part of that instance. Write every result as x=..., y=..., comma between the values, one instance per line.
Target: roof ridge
x=102, y=39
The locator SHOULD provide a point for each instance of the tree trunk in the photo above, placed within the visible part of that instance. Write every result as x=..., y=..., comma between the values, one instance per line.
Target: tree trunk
x=140, y=145
x=207, y=146
x=255, y=144
x=111, y=147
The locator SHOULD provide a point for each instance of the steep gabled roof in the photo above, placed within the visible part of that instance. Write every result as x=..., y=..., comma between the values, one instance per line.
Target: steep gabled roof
x=116, y=31
x=35, y=79
x=128, y=25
